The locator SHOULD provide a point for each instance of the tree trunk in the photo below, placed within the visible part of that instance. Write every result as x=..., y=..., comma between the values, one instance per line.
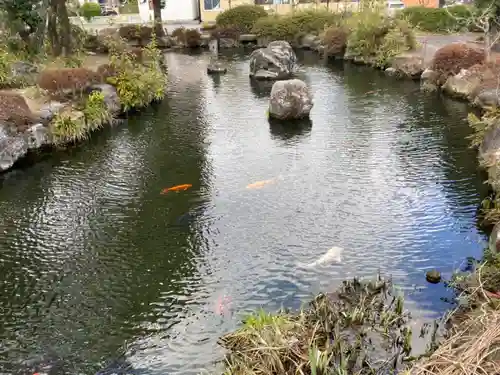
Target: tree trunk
x=158, y=24
x=64, y=27
x=52, y=28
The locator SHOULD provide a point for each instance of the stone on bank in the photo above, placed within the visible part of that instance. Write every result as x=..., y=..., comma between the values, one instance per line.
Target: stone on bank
x=276, y=61
x=290, y=100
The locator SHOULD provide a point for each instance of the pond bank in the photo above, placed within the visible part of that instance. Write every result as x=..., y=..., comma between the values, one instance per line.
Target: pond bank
x=66, y=105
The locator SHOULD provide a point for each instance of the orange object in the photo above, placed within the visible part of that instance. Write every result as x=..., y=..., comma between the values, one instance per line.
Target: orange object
x=259, y=184
x=176, y=188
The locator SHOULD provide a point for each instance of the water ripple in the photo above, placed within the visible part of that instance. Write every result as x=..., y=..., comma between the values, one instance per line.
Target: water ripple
x=96, y=262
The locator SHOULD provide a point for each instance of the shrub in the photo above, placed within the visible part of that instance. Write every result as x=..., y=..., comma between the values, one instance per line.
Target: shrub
x=190, y=37
x=335, y=41
x=290, y=26
x=67, y=128
x=375, y=35
x=15, y=111
x=137, y=84
x=95, y=111
x=450, y=59
x=242, y=17
x=90, y=10
x=67, y=79
x=451, y=19
x=136, y=33
x=230, y=32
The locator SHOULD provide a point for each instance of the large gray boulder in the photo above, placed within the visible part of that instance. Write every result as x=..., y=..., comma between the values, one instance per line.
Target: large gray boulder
x=13, y=146
x=290, y=100
x=464, y=85
x=276, y=61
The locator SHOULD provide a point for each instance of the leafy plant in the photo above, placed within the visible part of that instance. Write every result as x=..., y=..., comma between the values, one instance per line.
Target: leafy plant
x=95, y=111
x=138, y=84
x=66, y=129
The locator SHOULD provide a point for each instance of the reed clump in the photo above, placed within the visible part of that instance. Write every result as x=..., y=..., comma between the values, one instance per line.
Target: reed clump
x=360, y=329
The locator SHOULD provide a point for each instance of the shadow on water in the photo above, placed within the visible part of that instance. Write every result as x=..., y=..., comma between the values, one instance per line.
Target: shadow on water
x=291, y=130
x=261, y=89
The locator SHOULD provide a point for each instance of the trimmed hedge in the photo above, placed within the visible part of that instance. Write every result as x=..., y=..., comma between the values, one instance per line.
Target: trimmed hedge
x=289, y=26
x=439, y=20
x=242, y=17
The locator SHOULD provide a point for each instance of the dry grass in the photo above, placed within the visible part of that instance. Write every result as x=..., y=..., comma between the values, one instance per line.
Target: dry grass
x=67, y=79
x=472, y=349
x=360, y=329
x=450, y=59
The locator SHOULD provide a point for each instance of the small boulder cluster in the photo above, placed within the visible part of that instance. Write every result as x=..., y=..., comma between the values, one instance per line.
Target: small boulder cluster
x=290, y=99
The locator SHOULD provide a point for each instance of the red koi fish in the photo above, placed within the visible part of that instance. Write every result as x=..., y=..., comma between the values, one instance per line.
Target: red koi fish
x=176, y=188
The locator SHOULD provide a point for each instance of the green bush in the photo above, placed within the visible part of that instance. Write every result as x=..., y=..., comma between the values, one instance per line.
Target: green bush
x=90, y=10
x=242, y=16
x=439, y=20
x=373, y=35
x=138, y=84
x=288, y=27
x=67, y=128
x=96, y=111
x=190, y=37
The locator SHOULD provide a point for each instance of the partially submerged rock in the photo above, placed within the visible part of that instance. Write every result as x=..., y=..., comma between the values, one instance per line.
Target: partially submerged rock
x=464, y=85
x=429, y=80
x=433, y=276
x=487, y=98
x=290, y=100
x=408, y=66
x=216, y=67
x=276, y=61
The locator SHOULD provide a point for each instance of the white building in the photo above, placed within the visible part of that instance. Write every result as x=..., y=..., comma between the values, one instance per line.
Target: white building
x=174, y=10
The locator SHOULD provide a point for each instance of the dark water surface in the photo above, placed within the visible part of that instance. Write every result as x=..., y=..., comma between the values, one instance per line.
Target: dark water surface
x=94, y=262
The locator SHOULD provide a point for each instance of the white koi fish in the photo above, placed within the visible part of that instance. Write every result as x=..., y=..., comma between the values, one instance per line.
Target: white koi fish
x=334, y=255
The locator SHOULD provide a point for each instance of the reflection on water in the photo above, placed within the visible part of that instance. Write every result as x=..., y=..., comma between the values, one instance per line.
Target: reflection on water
x=96, y=263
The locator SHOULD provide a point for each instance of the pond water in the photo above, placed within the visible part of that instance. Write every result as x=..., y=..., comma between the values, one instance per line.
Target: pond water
x=95, y=262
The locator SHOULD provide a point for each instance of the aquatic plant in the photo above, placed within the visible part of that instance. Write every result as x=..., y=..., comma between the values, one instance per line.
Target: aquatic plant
x=242, y=17
x=96, y=111
x=66, y=128
x=360, y=329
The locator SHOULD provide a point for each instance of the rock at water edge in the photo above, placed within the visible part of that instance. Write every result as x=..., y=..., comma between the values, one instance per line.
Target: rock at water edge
x=276, y=61
x=290, y=100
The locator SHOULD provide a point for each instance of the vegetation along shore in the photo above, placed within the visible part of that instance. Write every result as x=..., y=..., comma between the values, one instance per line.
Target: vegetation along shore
x=62, y=83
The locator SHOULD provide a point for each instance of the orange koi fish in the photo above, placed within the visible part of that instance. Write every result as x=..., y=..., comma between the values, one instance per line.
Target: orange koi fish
x=176, y=188
x=260, y=184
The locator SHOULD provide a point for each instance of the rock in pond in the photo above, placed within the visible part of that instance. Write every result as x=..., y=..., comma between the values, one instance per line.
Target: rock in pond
x=276, y=61
x=13, y=146
x=464, y=85
x=290, y=100
x=433, y=276
x=216, y=67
